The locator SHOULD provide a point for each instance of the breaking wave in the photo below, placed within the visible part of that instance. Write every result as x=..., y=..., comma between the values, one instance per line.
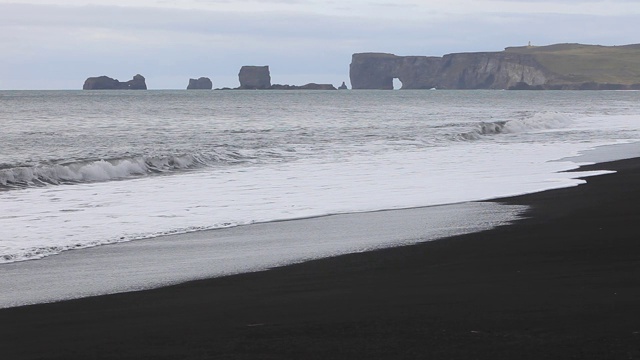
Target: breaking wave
x=535, y=122
x=82, y=171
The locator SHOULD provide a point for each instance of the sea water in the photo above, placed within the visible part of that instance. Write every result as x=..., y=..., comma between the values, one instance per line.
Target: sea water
x=81, y=169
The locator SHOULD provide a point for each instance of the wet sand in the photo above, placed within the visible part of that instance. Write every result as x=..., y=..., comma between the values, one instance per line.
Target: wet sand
x=562, y=284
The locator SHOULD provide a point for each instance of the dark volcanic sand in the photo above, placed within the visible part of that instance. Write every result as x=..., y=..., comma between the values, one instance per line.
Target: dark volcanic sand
x=564, y=284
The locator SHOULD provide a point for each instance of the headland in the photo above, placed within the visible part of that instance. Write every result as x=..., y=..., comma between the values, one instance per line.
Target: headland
x=553, y=67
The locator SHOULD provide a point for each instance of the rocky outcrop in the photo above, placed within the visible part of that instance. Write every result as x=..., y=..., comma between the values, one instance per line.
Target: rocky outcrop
x=259, y=78
x=309, y=86
x=254, y=77
x=343, y=86
x=203, y=83
x=552, y=67
x=107, y=83
x=454, y=71
x=314, y=86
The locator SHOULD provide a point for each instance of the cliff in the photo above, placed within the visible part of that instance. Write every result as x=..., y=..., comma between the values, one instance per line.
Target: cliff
x=561, y=66
x=203, y=83
x=107, y=83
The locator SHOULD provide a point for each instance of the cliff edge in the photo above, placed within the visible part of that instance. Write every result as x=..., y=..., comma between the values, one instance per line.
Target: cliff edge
x=560, y=66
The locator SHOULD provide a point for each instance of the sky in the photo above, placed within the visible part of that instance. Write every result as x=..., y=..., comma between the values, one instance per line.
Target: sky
x=57, y=44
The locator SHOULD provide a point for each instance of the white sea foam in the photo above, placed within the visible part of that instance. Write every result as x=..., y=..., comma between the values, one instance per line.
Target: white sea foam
x=93, y=214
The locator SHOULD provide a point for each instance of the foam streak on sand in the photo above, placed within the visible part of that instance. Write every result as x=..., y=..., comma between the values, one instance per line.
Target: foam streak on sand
x=171, y=259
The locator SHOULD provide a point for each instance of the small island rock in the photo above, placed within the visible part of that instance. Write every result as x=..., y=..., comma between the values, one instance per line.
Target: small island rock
x=259, y=78
x=309, y=86
x=314, y=86
x=254, y=77
x=107, y=83
x=343, y=86
x=203, y=83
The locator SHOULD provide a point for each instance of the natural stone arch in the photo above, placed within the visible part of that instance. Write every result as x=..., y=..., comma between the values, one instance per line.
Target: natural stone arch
x=397, y=83
x=373, y=71
x=378, y=71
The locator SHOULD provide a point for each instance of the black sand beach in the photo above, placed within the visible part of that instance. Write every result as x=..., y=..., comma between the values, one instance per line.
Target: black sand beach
x=562, y=284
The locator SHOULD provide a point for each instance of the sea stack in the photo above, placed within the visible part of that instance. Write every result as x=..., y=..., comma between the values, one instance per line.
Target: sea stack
x=107, y=83
x=203, y=83
x=254, y=77
x=343, y=86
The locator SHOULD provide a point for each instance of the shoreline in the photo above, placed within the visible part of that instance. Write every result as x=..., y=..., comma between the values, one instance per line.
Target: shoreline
x=563, y=282
x=173, y=259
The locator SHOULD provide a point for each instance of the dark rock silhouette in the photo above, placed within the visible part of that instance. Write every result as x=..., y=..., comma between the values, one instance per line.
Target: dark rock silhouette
x=343, y=86
x=107, y=83
x=314, y=86
x=309, y=86
x=524, y=86
x=259, y=78
x=254, y=77
x=203, y=83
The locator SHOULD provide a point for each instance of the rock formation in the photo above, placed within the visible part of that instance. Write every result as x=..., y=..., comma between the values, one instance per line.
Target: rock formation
x=343, y=86
x=107, y=83
x=560, y=66
x=259, y=78
x=254, y=77
x=309, y=86
x=314, y=86
x=453, y=71
x=203, y=83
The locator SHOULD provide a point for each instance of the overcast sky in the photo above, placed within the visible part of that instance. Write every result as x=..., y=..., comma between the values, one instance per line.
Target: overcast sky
x=57, y=44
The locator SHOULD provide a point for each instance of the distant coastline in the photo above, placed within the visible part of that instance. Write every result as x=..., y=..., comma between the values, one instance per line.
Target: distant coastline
x=552, y=67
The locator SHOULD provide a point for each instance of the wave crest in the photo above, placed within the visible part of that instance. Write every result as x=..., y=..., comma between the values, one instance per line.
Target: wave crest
x=535, y=122
x=105, y=170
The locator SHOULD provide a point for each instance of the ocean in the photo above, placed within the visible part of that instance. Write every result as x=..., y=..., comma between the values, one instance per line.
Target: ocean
x=84, y=170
